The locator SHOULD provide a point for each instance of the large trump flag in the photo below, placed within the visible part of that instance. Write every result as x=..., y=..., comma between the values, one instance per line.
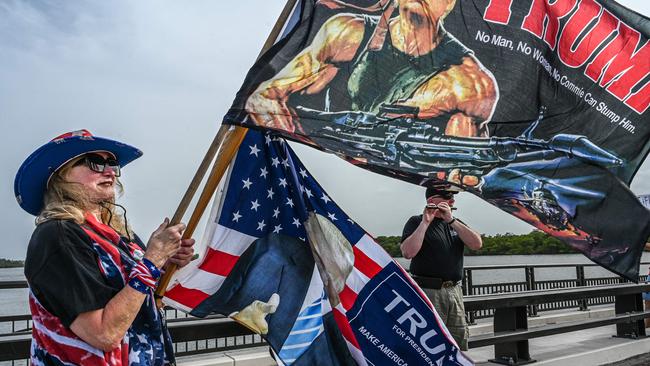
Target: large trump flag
x=539, y=107
x=284, y=260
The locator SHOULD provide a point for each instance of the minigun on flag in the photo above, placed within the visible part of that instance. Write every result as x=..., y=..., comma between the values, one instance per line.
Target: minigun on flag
x=409, y=140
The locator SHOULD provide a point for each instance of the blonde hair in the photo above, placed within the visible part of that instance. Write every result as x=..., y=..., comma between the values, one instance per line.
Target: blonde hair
x=65, y=200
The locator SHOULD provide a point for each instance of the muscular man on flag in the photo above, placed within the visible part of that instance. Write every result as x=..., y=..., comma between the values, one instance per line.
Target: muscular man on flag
x=407, y=62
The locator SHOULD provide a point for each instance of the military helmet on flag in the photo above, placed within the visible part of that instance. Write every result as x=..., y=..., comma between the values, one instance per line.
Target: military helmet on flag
x=34, y=174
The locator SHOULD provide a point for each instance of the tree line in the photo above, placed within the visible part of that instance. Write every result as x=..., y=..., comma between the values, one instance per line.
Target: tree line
x=535, y=242
x=10, y=263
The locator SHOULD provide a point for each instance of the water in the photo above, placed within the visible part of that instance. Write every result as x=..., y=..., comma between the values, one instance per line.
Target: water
x=541, y=274
x=14, y=301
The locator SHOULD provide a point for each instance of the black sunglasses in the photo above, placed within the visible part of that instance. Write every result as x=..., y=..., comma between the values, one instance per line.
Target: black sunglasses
x=98, y=163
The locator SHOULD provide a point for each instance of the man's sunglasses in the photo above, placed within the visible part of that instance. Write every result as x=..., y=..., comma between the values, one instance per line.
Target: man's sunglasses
x=98, y=163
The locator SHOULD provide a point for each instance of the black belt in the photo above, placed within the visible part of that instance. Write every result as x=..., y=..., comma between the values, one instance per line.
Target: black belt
x=433, y=283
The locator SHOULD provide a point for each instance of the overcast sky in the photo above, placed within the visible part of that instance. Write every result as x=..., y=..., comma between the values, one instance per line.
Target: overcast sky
x=159, y=75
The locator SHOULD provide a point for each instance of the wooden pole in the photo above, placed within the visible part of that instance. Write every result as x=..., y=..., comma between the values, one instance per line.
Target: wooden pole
x=233, y=138
x=198, y=177
x=277, y=28
x=226, y=153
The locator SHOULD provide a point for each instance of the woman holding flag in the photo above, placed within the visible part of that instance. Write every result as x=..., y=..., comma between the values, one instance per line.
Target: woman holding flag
x=91, y=278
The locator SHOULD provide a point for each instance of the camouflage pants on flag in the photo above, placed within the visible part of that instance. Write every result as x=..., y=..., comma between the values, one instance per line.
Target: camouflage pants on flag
x=448, y=302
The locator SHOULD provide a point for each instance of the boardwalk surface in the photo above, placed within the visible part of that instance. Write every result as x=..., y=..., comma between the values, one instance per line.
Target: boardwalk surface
x=589, y=347
x=640, y=360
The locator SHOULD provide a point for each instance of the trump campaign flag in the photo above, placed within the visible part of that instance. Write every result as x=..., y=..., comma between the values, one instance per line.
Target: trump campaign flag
x=284, y=260
x=539, y=107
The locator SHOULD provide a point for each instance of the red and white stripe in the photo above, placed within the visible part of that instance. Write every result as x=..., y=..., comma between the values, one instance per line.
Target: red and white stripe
x=142, y=272
x=49, y=334
x=223, y=252
x=369, y=259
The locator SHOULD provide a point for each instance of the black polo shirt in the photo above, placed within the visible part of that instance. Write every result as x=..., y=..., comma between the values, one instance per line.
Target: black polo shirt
x=441, y=255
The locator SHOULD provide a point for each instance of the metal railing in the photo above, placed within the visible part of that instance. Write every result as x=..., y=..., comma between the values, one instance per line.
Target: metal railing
x=191, y=335
x=217, y=333
x=510, y=322
x=530, y=283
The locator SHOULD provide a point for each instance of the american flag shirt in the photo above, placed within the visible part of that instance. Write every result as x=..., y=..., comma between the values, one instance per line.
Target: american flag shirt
x=146, y=342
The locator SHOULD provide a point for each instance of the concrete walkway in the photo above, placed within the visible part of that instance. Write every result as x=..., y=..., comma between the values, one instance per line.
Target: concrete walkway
x=258, y=356
x=596, y=346
x=640, y=360
x=589, y=347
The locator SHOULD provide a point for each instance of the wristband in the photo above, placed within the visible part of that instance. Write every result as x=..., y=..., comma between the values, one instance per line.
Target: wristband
x=155, y=272
x=138, y=285
x=452, y=221
x=143, y=276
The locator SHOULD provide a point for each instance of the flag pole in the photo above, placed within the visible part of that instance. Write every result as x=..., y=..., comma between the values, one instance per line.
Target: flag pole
x=198, y=176
x=228, y=138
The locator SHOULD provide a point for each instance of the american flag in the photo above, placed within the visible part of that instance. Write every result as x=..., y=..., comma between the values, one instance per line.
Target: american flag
x=268, y=200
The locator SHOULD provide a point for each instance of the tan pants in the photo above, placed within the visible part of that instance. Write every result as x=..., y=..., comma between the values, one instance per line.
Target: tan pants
x=448, y=302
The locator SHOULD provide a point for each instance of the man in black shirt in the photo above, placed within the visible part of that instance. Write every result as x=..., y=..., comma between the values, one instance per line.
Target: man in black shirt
x=434, y=241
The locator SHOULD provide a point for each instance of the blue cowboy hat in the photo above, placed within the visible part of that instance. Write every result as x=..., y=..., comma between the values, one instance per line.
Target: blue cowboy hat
x=33, y=175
